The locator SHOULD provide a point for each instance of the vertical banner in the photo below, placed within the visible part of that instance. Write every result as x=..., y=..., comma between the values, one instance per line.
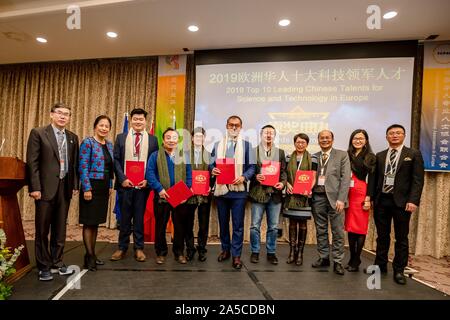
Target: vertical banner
x=435, y=126
x=170, y=94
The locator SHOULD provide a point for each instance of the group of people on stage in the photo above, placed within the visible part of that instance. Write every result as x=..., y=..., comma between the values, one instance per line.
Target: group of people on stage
x=347, y=184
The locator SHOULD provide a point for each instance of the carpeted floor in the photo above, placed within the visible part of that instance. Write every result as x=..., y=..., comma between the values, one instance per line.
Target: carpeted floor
x=432, y=271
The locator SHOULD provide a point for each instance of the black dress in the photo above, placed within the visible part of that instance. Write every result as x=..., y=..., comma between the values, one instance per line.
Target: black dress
x=94, y=212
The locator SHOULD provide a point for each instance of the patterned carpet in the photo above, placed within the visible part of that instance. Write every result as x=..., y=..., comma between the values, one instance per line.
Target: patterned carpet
x=432, y=271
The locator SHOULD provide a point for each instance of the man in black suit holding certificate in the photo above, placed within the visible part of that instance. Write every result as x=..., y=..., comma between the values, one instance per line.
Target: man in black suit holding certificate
x=400, y=178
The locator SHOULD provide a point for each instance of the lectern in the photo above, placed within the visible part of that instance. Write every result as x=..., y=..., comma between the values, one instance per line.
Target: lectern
x=12, y=179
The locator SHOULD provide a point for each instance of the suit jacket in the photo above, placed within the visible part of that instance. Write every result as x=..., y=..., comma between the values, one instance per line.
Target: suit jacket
x=43, y=162
x=92, y=162
x=119, y=156
x=338, y=176
x=409, y=177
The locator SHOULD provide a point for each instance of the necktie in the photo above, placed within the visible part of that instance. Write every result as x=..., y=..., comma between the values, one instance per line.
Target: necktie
x=137, y=145
x=324, y=158
x=390, y=169
x=230, y=149
x=62, y=155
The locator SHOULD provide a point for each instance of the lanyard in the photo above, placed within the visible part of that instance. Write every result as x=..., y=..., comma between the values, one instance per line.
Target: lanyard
x=300, y=162
x=322, y=164
x=391, y=163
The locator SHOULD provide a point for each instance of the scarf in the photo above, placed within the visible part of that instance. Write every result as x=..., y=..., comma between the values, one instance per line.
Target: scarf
x=222, y=189
x=258, y=192
x=163, y=169
x=297, y=201
x=129, y=149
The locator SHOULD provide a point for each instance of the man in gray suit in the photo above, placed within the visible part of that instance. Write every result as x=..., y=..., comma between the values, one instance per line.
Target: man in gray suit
x=329, y=200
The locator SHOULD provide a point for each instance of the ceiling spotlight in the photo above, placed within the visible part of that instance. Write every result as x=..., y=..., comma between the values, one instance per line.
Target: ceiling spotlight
x=41, y=40
x=284, y=22
x=111, y=34
x=390, y=14
x=193, y=28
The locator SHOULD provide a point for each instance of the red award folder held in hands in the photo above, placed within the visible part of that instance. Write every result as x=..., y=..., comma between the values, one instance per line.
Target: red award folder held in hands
x=271, y=172
x=178, y=193
x=226, y=167
x=200, y=182
x=304, y=181
x=134, y=171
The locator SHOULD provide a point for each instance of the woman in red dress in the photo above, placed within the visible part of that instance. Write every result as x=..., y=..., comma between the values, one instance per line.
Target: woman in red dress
x=362, y=188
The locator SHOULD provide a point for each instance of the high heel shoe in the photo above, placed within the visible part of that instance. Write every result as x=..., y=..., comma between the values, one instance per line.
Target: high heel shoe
x=89, y=262
x=99, y=262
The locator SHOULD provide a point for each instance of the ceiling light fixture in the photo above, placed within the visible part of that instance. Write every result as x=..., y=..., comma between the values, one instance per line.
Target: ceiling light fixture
x=41, y=40
x=390, y=14
x=284, y=22
x=193, y=28
x=111, y=34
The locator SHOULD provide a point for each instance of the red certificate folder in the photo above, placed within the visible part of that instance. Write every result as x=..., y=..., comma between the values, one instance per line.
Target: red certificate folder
x=200, y=182
x=134, y=171
x=271, y=172
x=226, y=167
x=178, y=193
x=304, y=180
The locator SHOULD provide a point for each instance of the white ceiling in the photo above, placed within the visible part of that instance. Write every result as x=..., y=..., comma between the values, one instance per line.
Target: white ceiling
x=157, y=27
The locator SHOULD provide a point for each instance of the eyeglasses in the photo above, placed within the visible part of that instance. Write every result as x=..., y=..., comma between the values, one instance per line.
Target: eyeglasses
x=359, y=139
x=62, y=114
x=232, y=125
x=395, y=133
x=301, y=143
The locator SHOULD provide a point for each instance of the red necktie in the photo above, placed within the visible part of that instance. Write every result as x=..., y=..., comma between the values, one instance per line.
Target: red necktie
x=137, y=145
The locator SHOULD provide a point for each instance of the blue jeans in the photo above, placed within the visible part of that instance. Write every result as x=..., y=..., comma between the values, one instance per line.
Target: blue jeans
x=272, y=213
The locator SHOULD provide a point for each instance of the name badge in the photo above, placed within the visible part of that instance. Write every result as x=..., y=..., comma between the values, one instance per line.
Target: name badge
x=352, y=183
x=321, y=181
x=389, y=180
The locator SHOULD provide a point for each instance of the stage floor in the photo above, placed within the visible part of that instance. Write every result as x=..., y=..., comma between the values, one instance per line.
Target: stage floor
x=212, y=280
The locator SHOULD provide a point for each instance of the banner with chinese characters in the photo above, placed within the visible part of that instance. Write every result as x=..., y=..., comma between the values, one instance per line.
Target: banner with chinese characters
x=435, y=127
x=170, y=94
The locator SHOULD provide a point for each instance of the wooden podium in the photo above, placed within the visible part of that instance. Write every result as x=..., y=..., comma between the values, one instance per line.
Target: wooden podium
x=12, y=179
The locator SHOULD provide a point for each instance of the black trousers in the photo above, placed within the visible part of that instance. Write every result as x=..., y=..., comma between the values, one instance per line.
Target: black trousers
x=132, y=209
x=385, y=211
x=163, y=211
x=203, y=226
x=51, y=217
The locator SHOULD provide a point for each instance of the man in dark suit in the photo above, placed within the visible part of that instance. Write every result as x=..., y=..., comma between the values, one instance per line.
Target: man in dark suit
x=400, y=178
x=52, y=163
x=231, y=198
x=136, y=145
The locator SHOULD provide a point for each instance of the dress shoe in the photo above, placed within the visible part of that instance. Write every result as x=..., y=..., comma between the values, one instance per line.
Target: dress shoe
x=160, y=259
x=321, y=263
x=224, y=255
x=399, y=278
x=99, y=262
x=181, y=259
x=272, y=258
x=237, y=264
x=201, y=256
x=139, y=255
x=254, y=257
x=338, y=269
x=190, y=256
x=117, y=255
x=352, y=269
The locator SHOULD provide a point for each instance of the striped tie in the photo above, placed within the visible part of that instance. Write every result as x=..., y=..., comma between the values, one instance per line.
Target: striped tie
x=62, y=154
x=391, y=169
